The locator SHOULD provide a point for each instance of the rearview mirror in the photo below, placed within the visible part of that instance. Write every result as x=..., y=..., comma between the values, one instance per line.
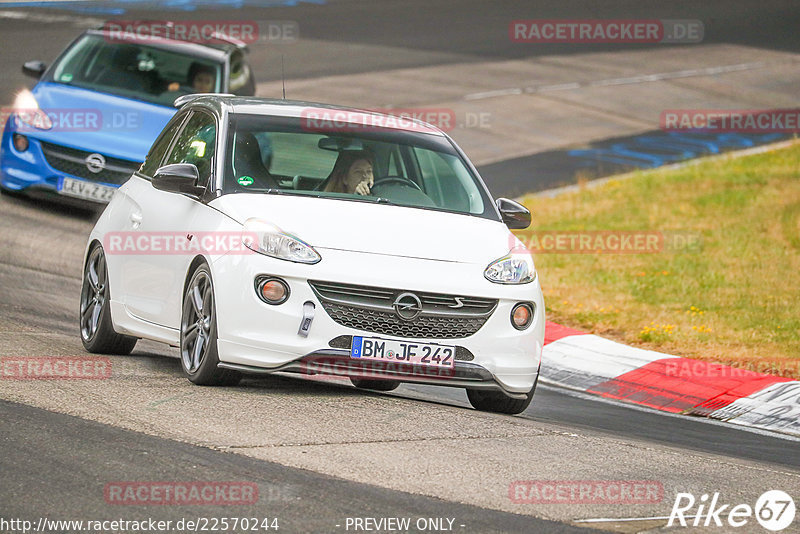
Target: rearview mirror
x=515, y=215
x=178, y=178
x=340, y=144
x=34, y=69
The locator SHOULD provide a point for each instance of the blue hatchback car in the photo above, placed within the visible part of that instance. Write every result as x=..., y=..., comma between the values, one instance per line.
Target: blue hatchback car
x=89, y=121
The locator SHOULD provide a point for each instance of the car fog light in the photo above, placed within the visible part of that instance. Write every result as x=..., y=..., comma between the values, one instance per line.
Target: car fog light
x=20, y=142
x=272, y=290
x=522, y=316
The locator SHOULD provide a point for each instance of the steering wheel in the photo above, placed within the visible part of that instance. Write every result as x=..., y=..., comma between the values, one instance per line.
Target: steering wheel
x=395, y=179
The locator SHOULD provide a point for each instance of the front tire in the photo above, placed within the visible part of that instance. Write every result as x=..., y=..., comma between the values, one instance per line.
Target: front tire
x=199, y=356
x=375, y=385
x=11, y=192
x=97, y=330
x=499, y=402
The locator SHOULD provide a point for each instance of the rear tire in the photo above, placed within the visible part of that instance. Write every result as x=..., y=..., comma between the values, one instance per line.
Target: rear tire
x=499, y=402
x=376, y=385
x=199, y=356
x=97, y=331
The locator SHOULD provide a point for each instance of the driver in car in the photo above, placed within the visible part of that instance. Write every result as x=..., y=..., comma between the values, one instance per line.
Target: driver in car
x=352, y=173
x=201, y=79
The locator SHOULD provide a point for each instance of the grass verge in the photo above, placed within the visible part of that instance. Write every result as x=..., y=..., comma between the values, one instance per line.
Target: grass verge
x=720, y=281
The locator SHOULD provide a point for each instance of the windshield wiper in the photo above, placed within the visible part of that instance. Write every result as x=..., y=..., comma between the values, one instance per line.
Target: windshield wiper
x=273, y=191
x=372, y=200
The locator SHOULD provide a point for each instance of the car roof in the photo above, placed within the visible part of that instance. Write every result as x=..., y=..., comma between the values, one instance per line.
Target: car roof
x=326, y=113
x=216, y=52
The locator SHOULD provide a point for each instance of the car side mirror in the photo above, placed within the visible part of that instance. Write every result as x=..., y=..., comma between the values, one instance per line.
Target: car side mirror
x=178, y=178
x=515, y=215
x=34, y=69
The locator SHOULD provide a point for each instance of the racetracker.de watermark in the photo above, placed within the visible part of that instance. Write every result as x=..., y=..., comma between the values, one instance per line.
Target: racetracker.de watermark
x=416, y=119
x=202, y=31
x=688, y=369
x=598, y=31
x=606, y=242
x=209, y=493
x=180, y=243
x=27, y=120
x=54, y=368
x=586, y=492
x=372, y=369
x=731, y=120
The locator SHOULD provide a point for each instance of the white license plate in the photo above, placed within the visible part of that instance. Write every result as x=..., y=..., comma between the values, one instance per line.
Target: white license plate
x=88, y=190
x=389, y=350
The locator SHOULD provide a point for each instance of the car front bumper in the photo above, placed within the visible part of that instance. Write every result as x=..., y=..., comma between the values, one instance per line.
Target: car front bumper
x=29, y=172
x=257, y=337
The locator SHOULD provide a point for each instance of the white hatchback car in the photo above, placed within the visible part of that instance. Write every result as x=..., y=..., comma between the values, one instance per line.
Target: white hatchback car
x=264, y=236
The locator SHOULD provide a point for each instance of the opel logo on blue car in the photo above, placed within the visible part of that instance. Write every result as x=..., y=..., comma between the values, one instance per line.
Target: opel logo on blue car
x=407, y=306
x=95, y=162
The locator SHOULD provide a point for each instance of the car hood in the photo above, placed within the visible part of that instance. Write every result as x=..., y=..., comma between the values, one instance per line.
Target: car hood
x=375, y=228
x=128, y=126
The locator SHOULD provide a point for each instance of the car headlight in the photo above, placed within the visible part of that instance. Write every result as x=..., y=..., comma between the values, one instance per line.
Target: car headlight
x=27, y=111
x=266, y=238
x=511, y=269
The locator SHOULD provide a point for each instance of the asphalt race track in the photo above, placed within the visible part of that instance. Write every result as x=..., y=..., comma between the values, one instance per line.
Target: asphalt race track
x=303, y=500
x=321, y=451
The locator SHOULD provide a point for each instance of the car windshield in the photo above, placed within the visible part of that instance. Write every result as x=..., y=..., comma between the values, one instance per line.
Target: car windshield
x=272, y=155
x=135, y=71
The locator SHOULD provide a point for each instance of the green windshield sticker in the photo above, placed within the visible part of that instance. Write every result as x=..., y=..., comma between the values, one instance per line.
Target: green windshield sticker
x=66, y=77
x=245, y=180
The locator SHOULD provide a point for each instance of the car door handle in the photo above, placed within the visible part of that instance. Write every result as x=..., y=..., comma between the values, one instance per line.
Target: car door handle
x=136, y=220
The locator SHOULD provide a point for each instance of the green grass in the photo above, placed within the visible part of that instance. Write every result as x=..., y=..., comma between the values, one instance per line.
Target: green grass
x=735, y=300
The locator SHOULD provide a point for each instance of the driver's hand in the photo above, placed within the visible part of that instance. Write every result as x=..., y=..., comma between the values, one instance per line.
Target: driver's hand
x=363, y=187
x=174, y=86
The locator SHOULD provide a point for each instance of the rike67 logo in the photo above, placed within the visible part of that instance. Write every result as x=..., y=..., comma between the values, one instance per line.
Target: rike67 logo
x=774, y=510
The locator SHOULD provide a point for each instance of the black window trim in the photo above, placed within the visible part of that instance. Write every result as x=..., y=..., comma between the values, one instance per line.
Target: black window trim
x=190, y=113
x=180, y=118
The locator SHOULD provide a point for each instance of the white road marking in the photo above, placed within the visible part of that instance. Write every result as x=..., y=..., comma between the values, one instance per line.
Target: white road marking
x=490, y=94
x=558, y=87
x=628, y=80
x=614, y=520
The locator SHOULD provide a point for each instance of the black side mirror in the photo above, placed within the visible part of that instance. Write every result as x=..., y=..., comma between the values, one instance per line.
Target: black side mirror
x=178, y=178
x=515, y=215
x=34, y=69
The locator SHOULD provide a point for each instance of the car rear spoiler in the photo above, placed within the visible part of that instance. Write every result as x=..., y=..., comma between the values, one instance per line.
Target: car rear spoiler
x=182, y=100
x=241, y=45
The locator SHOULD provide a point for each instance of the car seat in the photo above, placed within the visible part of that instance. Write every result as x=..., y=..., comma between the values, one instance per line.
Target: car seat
x=247, y=161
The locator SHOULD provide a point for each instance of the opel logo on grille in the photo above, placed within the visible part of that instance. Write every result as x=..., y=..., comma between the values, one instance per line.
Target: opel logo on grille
x=407, y=306
x=95, y=162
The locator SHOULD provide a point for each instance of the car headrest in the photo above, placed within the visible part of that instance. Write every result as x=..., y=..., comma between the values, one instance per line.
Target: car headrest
x=247, y=150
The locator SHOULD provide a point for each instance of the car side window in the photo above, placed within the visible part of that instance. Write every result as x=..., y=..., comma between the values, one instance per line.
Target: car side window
x=446, y=183
x=195, y=145
x=156, y=155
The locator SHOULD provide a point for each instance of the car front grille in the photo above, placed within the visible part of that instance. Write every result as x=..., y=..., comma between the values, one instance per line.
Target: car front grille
x=73, y=161
x=371, y=309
